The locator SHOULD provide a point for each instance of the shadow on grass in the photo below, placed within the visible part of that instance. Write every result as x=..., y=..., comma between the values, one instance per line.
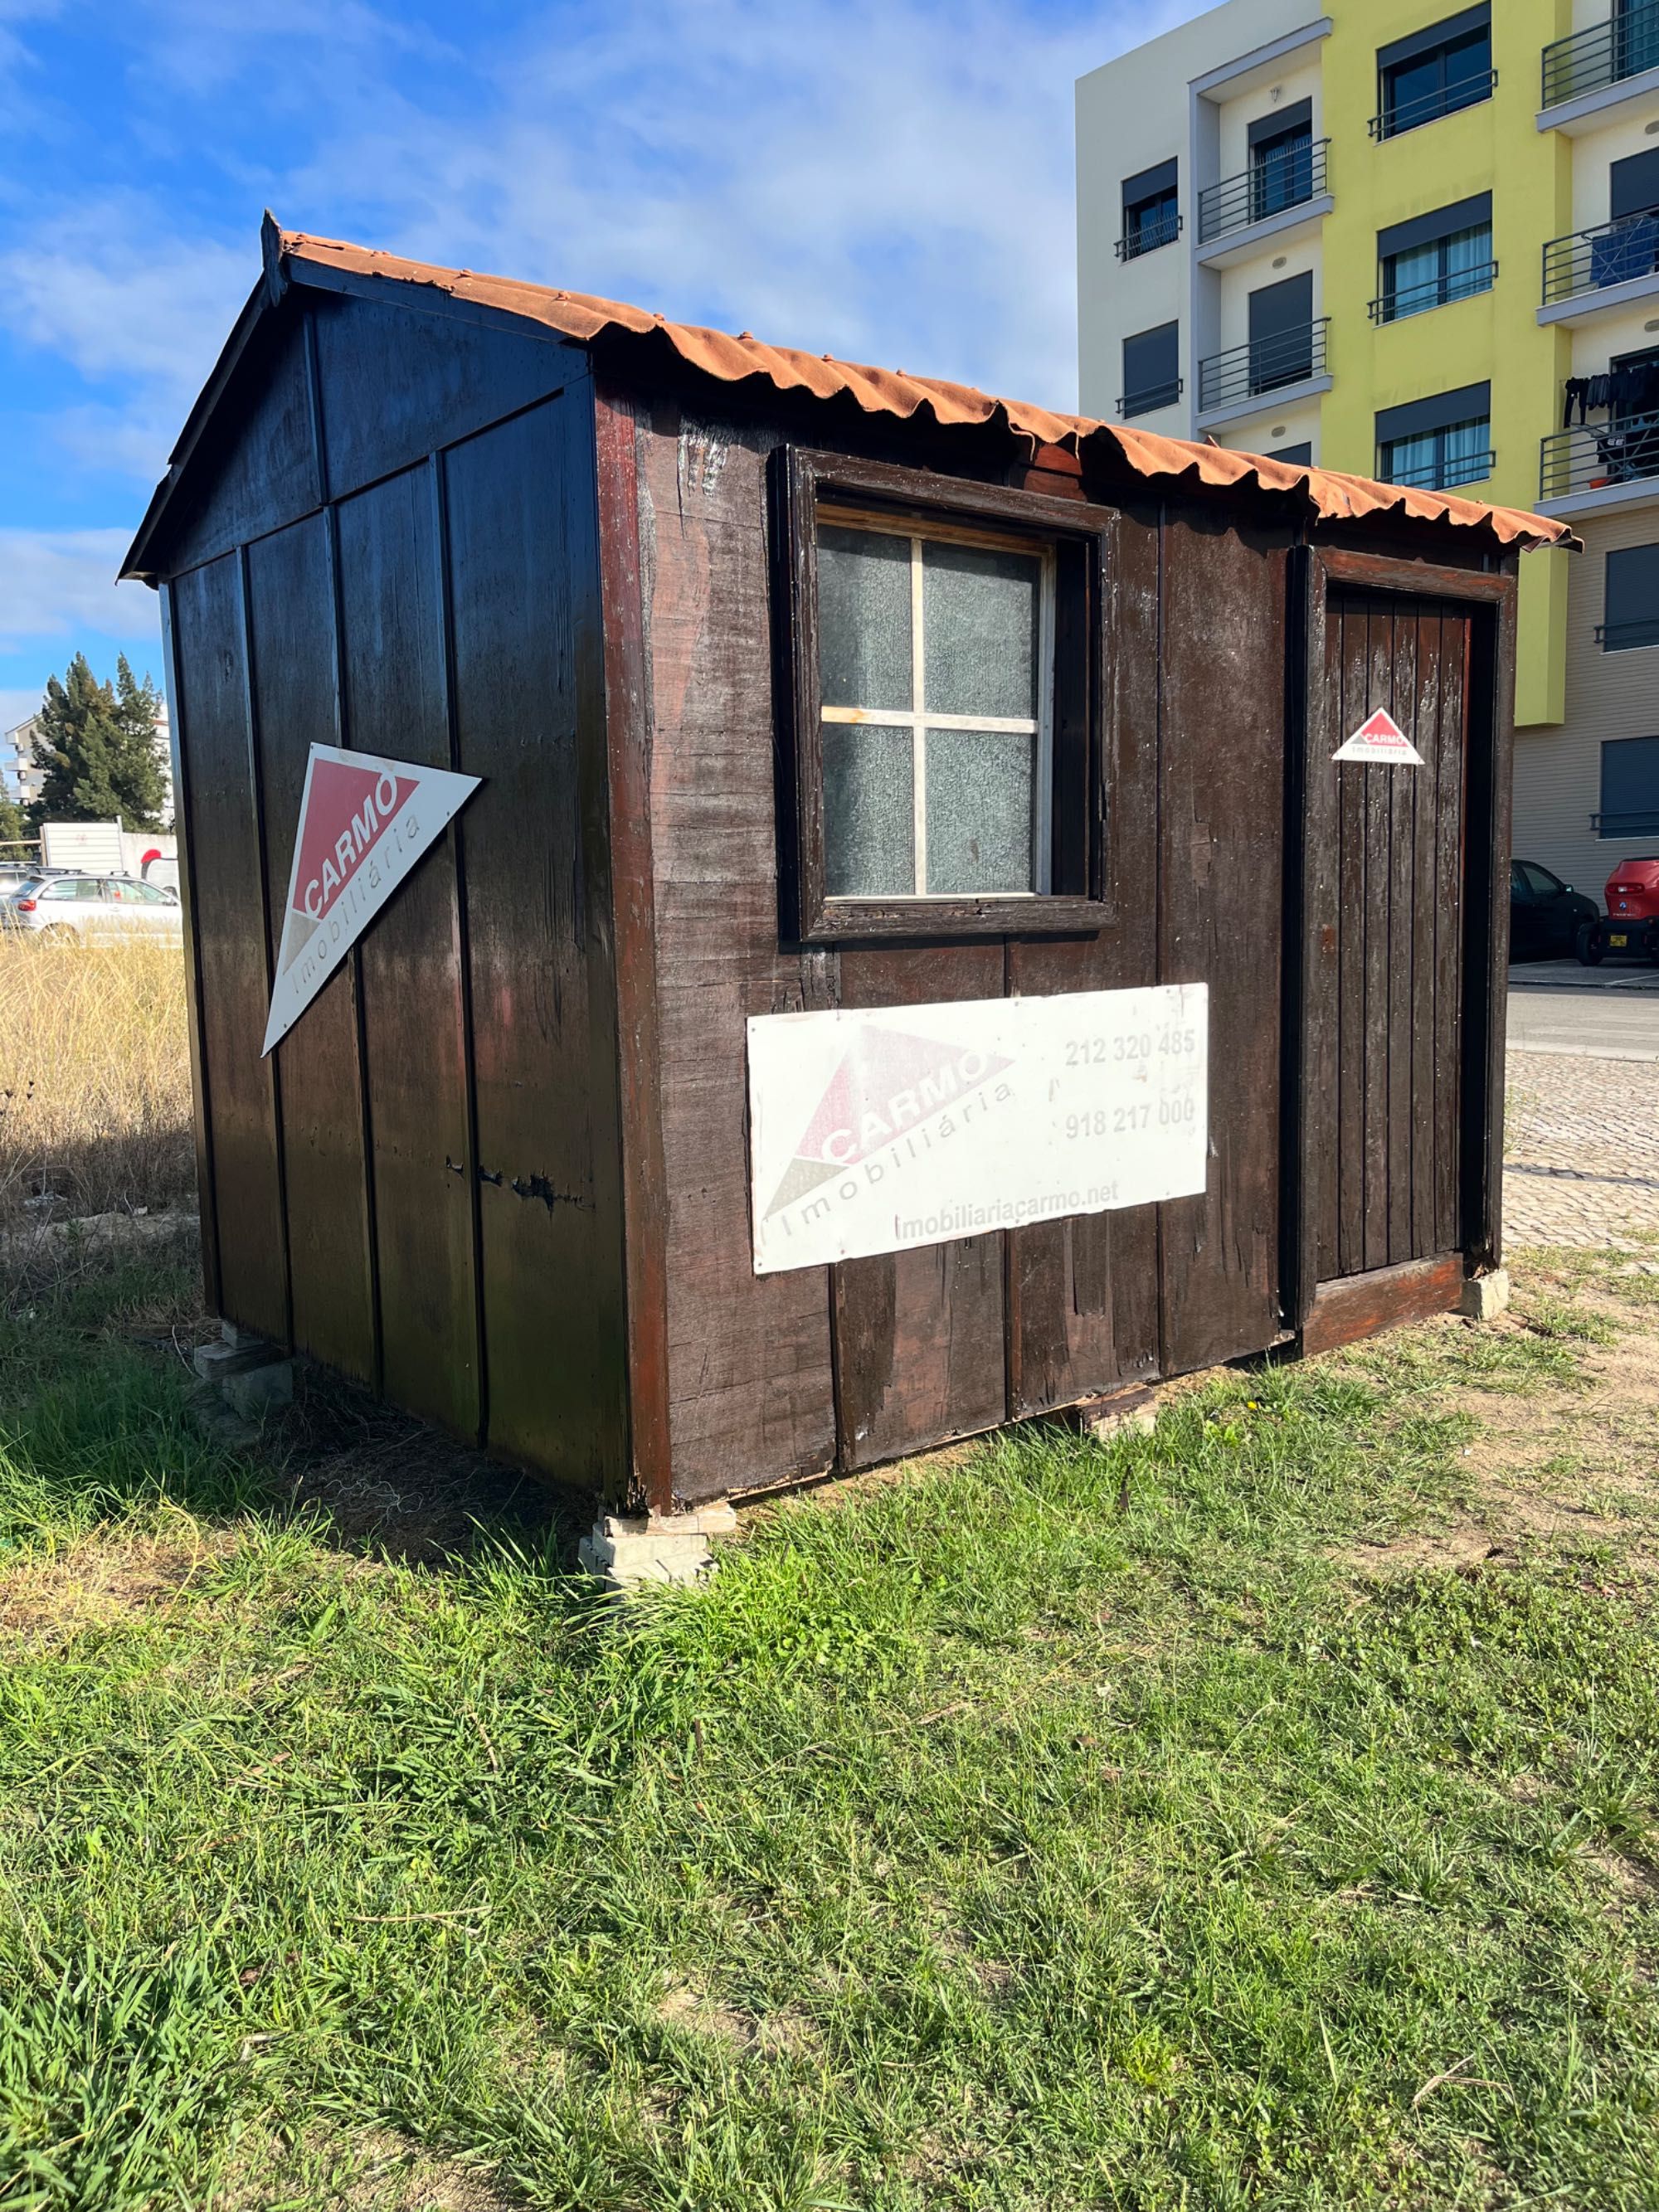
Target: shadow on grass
x=101, y=1413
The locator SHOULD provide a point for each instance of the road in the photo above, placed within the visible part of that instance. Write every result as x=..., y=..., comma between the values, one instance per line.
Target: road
x=1601, y=1013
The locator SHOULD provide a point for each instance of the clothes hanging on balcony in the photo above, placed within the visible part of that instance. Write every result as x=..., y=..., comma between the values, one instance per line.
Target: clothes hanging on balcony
x=1632, y=391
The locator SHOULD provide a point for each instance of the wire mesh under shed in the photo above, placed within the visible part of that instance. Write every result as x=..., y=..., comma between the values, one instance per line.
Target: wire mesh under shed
x=909, y=959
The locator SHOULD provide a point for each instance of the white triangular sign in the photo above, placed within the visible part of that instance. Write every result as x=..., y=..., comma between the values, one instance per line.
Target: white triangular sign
x=1381, y=738
x=364, y=822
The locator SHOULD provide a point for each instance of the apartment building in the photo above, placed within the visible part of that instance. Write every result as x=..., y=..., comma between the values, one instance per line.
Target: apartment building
x=20, y=774
x=1421, y=245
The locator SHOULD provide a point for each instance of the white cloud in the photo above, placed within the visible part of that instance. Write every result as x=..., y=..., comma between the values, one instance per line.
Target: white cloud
x=60, y=583
x=16, y=707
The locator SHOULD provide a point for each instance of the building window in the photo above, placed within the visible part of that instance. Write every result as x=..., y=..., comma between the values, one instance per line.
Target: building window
x=1434, y=258
x=1151, y=370
x=1295, y=456
x=1629, y=788
x=1281, y=160
x=947, y=754
x=1151, y=211
x=1437, y=444
x=1631, y=605
x=1282, y=333
x=1435, y=72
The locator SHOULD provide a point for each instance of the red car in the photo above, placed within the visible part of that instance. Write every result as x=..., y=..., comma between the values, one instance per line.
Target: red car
x=1632, y=902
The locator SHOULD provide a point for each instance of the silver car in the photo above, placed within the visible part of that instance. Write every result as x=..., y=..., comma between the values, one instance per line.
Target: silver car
x=107, y=908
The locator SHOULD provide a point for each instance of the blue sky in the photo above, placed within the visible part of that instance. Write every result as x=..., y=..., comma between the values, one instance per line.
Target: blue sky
x=890, y=180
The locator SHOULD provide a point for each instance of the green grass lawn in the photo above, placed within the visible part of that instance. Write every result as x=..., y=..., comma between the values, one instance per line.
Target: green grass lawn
x=1203, y=1822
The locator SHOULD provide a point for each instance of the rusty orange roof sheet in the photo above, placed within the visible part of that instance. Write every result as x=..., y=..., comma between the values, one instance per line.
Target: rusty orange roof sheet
x=1336, y=496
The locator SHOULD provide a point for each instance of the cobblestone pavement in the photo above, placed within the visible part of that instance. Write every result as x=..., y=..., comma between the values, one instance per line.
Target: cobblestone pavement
x=1581, y=1157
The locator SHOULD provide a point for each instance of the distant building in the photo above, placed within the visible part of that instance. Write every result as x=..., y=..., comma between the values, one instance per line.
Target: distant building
x=22, y=776
x=1417, y=239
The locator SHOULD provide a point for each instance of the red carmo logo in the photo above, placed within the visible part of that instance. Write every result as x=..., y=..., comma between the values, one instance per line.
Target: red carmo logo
x=886, y=1092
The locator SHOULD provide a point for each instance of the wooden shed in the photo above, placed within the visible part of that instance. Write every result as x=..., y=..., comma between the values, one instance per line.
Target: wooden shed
x=797, y=688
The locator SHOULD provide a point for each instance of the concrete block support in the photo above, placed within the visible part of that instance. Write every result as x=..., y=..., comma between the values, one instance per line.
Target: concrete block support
x=247, y=1371
x=655, y=1547
x=1485, y=1297
x=1124, y=1413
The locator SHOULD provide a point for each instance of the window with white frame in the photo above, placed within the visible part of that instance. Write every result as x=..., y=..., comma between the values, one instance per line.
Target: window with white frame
x=935, y=672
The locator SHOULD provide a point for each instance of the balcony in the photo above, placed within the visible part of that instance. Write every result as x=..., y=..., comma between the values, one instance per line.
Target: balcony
x=1161, y=229
x=1131, y=404
x=1264, y=365
x=1408, y=299
x=1599, y=457
x=1594, y=60
x=1607, y=253
x=1447, y=475
x=1625, y=636
x=1642, y=823
x=1271, y=187
x=1448, y=98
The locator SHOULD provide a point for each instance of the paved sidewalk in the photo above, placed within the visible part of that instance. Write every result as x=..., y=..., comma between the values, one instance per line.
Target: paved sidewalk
x=1581, y=1157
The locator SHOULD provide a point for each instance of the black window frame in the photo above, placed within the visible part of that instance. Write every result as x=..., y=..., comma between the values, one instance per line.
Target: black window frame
x=1084, y=899
x=1435, y=42
x=1157, y=189
x=1280, y=148
x=1615, y=822
x=1627, y=633
x=1147, y=399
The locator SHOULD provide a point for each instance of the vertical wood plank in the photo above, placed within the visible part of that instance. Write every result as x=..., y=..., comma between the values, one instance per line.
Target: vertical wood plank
x=230, y=921
x=1316, y=830
x=415, y=1068
x=1374, y=923
x=1351, y=1005
x=1083, y=1309
x=628, y=752
x=1425, y=900
x=1450, y=918
x=750, y=1377
x=1402, y=789
x=551, y=1281
x=1492, y=709
x=201, y=1116
x=1221, y=869
x=920, y=1335
x=291, y=622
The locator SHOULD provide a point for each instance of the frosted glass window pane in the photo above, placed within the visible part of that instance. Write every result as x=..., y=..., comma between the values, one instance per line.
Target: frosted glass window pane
x=864, y=618
x=980, y=611
x=869, y=811
x=978, y=811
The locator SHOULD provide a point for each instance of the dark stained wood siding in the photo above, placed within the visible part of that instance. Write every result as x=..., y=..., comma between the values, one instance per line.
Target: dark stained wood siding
x=229, y=915
x=774, y=1377
x=296, y=703
x=550, y=1293
x=1392, y=1021
x=422, y=1185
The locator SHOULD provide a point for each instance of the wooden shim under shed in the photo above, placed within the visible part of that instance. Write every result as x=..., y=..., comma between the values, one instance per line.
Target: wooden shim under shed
x=1362, y=1305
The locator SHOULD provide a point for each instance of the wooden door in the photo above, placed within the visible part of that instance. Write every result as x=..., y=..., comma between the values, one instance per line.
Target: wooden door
x=1396, y=941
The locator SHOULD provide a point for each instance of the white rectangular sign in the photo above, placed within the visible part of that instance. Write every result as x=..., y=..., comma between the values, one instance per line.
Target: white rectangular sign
x=874, y=1129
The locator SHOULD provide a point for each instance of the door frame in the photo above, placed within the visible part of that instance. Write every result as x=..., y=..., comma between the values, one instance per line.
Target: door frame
x=1309, y=1135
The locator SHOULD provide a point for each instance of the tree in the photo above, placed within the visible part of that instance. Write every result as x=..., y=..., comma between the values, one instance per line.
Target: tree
x=97, y=742
x=13, y=830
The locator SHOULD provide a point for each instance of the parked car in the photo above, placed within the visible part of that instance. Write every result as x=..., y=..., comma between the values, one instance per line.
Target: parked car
x=106, y=907
x=14, y=875
x=1548, y=919
x=1633, y=896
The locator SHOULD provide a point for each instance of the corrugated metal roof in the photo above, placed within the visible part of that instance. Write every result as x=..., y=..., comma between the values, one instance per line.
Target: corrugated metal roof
x=1334, y=497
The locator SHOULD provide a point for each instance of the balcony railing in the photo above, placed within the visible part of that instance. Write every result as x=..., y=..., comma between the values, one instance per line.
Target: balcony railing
x=1417, y=299
x=1596, y=457
x=1283, y=181
x=1590, y=61
x=1162, y=230
x=1642, y=823
x=1607, y=254
x=1429, y=106
x=1447, y=475
x=1147, y=402
x=1624, y=637
x=1263, y=365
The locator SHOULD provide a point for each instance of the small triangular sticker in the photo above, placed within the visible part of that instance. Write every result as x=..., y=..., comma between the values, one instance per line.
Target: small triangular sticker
x=1381, y=738
x=364, y=822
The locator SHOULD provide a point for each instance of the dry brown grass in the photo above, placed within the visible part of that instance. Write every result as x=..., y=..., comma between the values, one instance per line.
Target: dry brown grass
x=95, y=1077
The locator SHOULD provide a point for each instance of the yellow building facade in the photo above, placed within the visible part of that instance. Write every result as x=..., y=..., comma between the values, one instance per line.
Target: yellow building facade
x=1405, y=240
